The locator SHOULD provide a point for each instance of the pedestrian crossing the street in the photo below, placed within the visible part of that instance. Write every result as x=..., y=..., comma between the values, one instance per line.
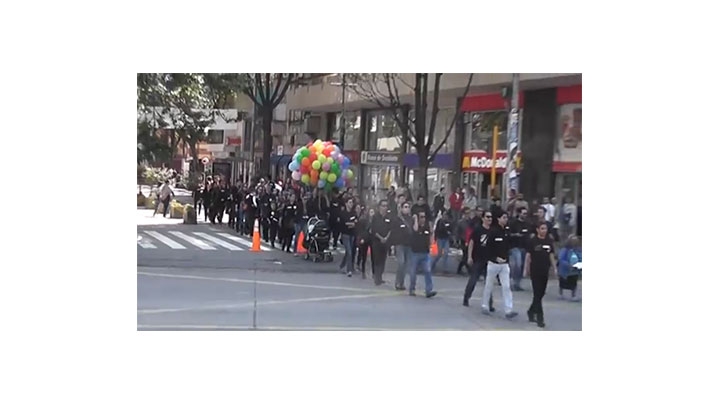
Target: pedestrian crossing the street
x=178, y=240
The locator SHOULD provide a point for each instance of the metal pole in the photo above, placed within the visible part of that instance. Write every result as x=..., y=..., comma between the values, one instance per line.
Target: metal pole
x=511, y=179
x=342, y=117
x=493, y=169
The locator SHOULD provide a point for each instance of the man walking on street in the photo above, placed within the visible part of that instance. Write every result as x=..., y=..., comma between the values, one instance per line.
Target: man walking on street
x=478, y=252
x=401, y=235
x=439, y=202
x=380, y=229
x=498, y=254
x=520, y=231
x=165, y=194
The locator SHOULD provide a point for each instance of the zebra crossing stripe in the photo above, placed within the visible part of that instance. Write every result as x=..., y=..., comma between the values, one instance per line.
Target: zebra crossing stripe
x=145, y=244
x=244, y=242
x=164, y=239
x=197, y=242
x=217, y=241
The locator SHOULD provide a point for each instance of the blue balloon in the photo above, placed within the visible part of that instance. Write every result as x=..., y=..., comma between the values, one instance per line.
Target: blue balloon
x=321, y=183
x=346, y=163
x=339, y=183
x=294, y=166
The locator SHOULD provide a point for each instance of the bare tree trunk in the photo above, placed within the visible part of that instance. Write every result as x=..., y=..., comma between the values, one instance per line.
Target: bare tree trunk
x=423, y=165
x=267, y=115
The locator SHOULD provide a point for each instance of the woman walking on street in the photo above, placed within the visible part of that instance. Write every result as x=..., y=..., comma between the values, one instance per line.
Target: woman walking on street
x=540, y=258
x=364, y=240
x=347, y=224
x=568, y=275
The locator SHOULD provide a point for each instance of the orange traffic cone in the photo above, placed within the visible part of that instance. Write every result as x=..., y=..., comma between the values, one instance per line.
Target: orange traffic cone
x=301, y=239
x=256, y=237
x=433, y=247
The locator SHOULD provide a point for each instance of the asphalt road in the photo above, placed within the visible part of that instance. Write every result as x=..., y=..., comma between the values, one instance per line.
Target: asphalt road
x=215, y=283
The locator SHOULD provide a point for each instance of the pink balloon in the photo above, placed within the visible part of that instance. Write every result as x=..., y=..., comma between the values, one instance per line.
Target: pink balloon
x=296, y=175
x=326, y=167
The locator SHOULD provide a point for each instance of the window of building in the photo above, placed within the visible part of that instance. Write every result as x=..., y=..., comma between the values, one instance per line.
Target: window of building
x=383, y=132
x=480, y=129
x=352, y=129
x=442, y=123
x=215, y=136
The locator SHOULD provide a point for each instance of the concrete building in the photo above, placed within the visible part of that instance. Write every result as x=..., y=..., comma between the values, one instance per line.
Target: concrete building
x=551, y=136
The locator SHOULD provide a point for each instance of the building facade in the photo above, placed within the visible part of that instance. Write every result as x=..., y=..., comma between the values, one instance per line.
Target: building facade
x=550, y=128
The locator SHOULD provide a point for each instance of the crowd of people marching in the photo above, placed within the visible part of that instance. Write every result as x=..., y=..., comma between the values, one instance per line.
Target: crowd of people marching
x=499, y=243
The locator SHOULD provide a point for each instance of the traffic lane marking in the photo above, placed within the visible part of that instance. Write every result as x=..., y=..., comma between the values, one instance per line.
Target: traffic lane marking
x=250, y=281
x=261, y=303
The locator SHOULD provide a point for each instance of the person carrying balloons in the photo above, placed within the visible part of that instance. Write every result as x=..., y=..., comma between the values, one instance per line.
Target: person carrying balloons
x=321, y=166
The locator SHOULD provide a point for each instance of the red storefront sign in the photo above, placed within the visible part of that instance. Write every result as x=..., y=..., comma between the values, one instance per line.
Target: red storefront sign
x=481, y=161
x=233, y=141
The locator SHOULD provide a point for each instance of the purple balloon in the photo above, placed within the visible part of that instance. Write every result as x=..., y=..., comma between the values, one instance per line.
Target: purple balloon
x=326, y=167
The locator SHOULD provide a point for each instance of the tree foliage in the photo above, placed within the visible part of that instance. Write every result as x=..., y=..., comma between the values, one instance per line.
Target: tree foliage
x=188, y=103
x=384, y=91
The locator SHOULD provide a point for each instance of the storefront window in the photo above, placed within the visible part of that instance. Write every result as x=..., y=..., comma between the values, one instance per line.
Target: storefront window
x=383, y=132
x=352, y=129
x=442, y=123
x=480, y=129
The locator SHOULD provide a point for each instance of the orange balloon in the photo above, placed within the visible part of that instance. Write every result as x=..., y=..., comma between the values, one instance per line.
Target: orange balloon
x=305, y=162
x=314, y=174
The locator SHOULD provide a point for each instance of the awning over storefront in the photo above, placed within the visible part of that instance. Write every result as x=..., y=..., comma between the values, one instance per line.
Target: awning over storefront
x=280, y=160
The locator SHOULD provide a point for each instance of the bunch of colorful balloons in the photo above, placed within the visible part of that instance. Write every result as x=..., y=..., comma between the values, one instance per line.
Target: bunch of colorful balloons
x=322, y=165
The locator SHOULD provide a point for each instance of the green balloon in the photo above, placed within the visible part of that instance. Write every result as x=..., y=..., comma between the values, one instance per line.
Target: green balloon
x=323, y=175
x=299, y=159
x=335, y=168
x=331, y=177
x=304, y=152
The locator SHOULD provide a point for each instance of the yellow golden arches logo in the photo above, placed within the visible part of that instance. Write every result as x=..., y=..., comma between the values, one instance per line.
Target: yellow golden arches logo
x=466, y=162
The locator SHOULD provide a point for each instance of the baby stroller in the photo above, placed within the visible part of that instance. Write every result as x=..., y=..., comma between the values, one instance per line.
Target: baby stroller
x=317, y=240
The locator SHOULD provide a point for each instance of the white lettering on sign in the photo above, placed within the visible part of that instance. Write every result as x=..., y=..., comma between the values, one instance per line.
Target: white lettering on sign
x=486, y=162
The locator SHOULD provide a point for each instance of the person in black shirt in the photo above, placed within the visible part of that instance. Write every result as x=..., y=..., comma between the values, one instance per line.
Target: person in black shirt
x=214, y=201
x=274, y=219
x=477, y=250
x=287, y=223
x=520, y=231
x=381, y=230
x=364, y=238
x=421, y=206
x=223, y=196
x=265, y=200
x=463, y=232
x=301, y=217
x=538, y=262
x=443, y=228
x=335, y=223
x=402, y=231
x=251, y=209
x=347, y=223
x=498, y=252
x=420, y=247
x=206, y=199
x=231, y=204
x=439, y=202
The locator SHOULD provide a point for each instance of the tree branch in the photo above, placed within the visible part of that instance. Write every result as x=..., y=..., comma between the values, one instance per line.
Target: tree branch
x=284, y=90
x=457, y=115
x=278, y=82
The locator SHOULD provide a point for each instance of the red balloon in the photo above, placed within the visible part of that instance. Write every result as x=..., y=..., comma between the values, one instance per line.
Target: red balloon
x=312, y=157
x=304, y=169
x=305, y=162
x=326, y=152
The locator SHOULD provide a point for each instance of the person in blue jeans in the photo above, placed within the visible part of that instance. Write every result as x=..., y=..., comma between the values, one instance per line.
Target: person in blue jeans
x=443, y=228
x=402, y=234
x=420, y=258
x=347, y=223
x=520, y=231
